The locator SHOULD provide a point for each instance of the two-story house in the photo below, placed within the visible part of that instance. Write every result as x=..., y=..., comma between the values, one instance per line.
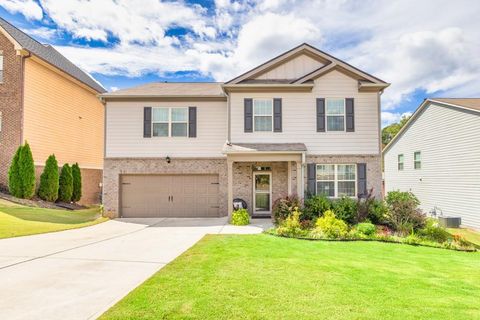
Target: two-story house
x=48, y=101
x=301, y=123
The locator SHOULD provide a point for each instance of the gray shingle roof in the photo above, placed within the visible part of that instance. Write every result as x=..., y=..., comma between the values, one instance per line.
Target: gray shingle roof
x=50, y=55
x=264, y=147
x=186, y=89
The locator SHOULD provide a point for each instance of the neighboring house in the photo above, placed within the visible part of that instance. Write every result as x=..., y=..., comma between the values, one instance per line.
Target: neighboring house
x=301, y=123
x=436, y=156
x=51, y=103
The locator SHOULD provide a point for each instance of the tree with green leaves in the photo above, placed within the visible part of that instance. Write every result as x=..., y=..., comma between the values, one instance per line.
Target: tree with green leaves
x=389, y=132
x=77, y=183
x=65, y=184
x=27, y=172
x=14, y=182
x=48, y=189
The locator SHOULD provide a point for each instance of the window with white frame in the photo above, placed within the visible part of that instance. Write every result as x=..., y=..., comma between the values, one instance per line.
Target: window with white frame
x=417, y=160
x=1, y=66
x=263, y=115
x=170, y=122
x=337, y=180
x=400, y=162
x=335, y=113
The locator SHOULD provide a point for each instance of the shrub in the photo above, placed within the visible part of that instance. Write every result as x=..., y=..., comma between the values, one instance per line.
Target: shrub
x=291, y=227
x=48, y=189
x=364, y=205
x=77, y=183
x=377, y=212
x=240, y=217
x=434, y=232
x=366, y=228
x=27, y=172
x=65, y=184
x=284, y=207
x=315, y=206
x=403, y=213
x=14, y=181
x=345, y=208
x=330, y=226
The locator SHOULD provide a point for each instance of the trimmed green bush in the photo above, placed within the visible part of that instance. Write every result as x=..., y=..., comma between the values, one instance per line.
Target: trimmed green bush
x=48, y=189
x=378, y=212
x=65, y=184
x=315, y=206
x=14, y=181
x=291, y=226
x=27, y=172
x=331, y=227
x=240, y=217
x=366, y=228
x=283, y=207
x=434, y=232
x=345, y=208
x=77, y=183
x=403, y=215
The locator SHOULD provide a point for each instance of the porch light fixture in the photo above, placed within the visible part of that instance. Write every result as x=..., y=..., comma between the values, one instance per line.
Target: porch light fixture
x=168, y=159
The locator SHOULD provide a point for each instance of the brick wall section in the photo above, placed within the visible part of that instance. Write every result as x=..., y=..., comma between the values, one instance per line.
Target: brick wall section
x=91, y=179
x=10, y=106
x=113, y=168
x=243, y=180
x=374, y=168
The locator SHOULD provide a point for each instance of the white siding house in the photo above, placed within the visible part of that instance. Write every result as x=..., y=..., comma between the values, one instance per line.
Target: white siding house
x=443, y=135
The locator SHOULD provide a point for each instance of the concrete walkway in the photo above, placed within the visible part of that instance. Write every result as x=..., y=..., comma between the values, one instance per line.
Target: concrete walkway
x=79, y=274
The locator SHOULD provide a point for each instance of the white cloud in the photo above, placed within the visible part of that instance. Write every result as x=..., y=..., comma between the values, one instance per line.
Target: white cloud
x=391, y=117
x=113, y=89
x=399, y=42
x=42, y=33
x=29, y=8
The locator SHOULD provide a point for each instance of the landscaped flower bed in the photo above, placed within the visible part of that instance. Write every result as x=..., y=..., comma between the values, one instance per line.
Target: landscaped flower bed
x=397, y=220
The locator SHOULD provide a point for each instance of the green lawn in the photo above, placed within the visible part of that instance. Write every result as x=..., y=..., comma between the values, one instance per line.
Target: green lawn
x=266, y=277
x=17, y=220
x=468, y=234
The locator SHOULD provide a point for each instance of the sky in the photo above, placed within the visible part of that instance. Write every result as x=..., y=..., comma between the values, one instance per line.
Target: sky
x=424, y=48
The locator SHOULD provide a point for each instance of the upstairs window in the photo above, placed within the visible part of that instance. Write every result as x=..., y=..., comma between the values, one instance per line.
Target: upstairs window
x=400, y=162
x=263, y=115
x=335, y=113
x=1, y=66
x=417, y=160
x=170, y=122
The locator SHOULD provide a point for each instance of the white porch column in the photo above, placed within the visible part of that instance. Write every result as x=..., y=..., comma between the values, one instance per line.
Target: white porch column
x=289, y=177
x=230, y=187
x=299, y=179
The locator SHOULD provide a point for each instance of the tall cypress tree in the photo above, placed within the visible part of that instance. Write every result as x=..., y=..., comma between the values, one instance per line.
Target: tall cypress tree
x=27, y=172
x=65, y=184
x=77, y=183
x=14, y=181
x=48, y=189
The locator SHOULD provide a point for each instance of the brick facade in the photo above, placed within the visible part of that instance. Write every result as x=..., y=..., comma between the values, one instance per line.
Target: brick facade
x=10, y=106
x=113, y=168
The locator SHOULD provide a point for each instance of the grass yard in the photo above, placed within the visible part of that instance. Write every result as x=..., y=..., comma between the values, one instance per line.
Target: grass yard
x=468, y=234
x=266, y=277
x=18, y=220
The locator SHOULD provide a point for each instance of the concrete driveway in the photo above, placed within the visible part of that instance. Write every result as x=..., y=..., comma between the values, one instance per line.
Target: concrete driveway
x=79, y=274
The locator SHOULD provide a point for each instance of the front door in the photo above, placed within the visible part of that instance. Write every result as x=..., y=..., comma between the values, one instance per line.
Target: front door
x=262, y=192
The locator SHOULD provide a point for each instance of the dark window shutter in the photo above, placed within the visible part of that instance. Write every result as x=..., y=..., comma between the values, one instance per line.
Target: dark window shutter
x=362, y=179
x=147, y=122
x=248, y=115
x=277, y=115
x=350, y=114
x=192, y=122
x=311, y=179
x=320, y=115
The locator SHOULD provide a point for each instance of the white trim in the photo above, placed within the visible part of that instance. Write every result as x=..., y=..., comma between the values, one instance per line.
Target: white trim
x=335, y=181
x=344, y=114
x=254, y=206
x=253, y=114
x=170, y=122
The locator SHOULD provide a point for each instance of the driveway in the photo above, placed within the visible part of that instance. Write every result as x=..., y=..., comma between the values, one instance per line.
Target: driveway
x=79, y=274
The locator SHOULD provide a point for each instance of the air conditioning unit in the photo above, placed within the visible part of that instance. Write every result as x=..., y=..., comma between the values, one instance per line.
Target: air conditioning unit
x=450, y=222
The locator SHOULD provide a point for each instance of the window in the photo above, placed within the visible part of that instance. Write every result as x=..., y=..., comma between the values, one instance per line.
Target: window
x=335, y=112
x=400, y=162
x=262, y=115
x=336, y=180
x=170, y=122
x=417, y=160
x=1, y=66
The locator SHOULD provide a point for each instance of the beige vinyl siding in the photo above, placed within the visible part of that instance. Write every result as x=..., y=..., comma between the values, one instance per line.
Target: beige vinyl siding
x=449, y=178
x=293, y=69
x=299, y=118
x=61, y=117
x=125, y=131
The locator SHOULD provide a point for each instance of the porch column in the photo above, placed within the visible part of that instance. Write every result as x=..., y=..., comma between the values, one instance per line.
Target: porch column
x=299, y=179
x=230, y=187
x=289, y=177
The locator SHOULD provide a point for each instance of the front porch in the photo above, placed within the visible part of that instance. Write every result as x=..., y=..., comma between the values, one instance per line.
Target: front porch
x=261, y=173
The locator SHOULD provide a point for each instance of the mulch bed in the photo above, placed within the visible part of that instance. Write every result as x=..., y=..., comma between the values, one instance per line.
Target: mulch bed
x=37, y=202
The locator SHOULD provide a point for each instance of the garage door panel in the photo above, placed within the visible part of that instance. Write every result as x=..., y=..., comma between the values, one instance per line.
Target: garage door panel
x=169, y=195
